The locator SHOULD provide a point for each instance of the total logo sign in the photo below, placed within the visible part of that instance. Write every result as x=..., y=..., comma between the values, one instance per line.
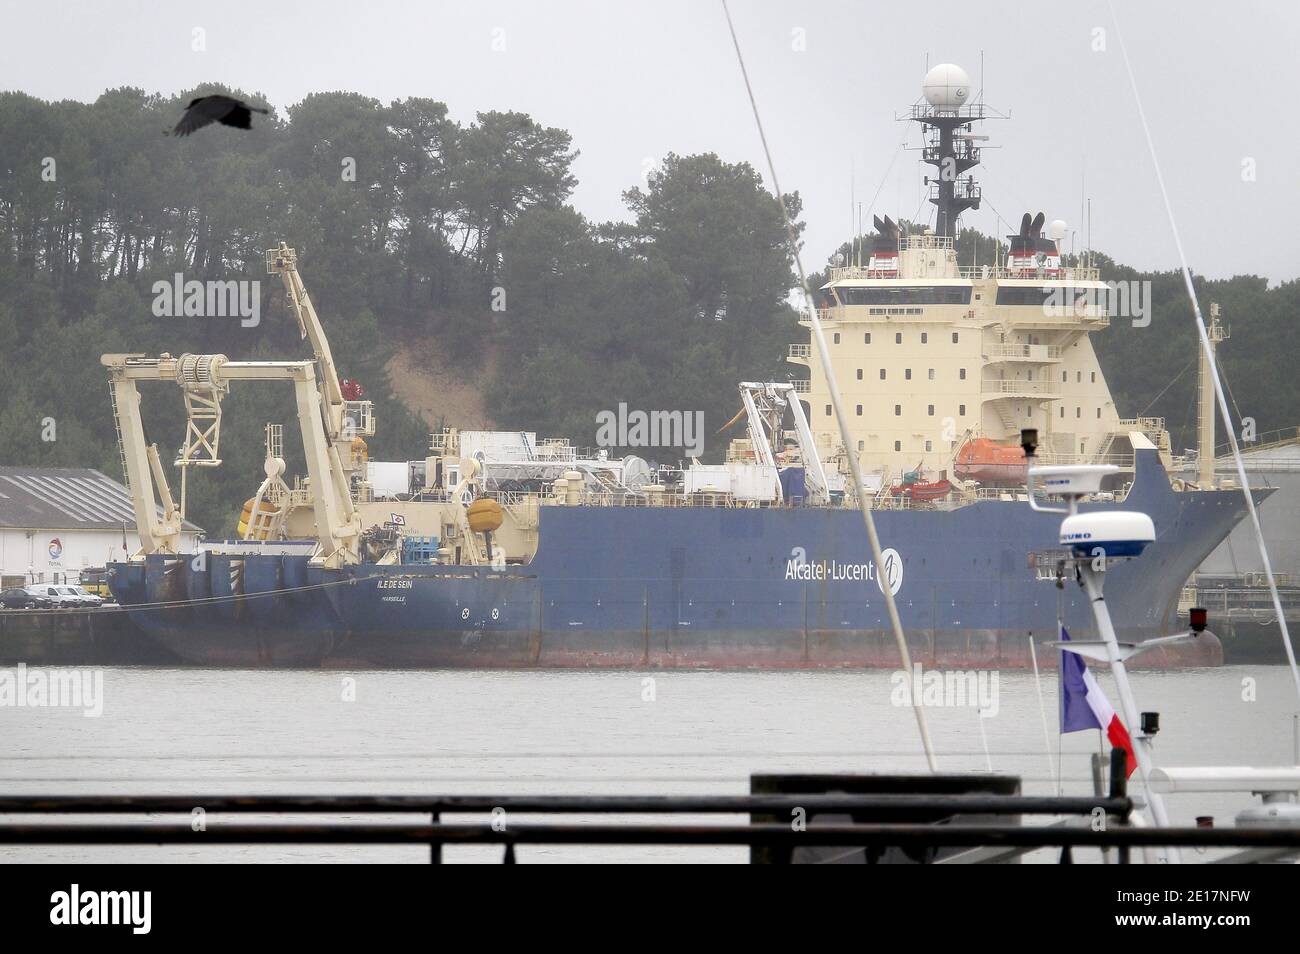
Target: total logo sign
x=798, y=567
x=56, y=550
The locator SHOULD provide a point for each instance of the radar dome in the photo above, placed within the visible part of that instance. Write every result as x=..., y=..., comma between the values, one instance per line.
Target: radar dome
x=946, y=86
x=1056, y=229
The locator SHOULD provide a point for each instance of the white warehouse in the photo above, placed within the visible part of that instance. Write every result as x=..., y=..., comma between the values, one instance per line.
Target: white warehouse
x=57, y=521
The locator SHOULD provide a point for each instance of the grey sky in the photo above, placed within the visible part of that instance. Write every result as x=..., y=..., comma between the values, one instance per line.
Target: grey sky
x=632, y=81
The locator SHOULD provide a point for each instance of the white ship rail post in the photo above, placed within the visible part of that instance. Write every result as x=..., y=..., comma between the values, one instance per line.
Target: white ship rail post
x=1097, y=538
x=819, y=338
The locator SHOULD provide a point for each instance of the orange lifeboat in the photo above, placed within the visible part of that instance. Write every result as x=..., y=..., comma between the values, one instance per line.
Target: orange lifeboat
x=923, y=490
x=989, y=462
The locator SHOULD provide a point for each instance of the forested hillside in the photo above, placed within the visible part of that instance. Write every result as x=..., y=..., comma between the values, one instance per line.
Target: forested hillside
x=409, y=226
x=412, y=228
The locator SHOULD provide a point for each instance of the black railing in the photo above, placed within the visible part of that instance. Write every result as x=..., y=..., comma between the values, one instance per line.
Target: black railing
x=879, y=821
x=900, y=825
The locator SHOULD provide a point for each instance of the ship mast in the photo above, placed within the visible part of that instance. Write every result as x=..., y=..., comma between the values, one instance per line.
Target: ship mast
x=949, y=144
x=1205, y=405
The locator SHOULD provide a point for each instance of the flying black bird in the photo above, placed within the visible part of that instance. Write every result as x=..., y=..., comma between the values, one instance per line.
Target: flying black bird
x=216, y=109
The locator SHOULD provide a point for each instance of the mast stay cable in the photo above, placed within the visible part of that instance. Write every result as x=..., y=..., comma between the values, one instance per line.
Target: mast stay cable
x=829, y=371
x=1213, y=366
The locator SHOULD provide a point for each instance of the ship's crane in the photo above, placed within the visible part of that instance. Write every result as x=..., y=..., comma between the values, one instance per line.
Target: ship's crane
x=329, y=424
x=337, y=524
x=765, y=405
x=345, y=420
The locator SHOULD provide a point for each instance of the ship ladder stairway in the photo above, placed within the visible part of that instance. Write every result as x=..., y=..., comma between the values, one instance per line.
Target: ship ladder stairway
x=117, y=427
x=262, y=523
x=1104, y=450
x=611, y=486
x=1006, y=417
x=882, y=494
x=470, y=541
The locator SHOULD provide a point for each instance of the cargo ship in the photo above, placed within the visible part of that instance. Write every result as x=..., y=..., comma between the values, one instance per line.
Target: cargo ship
x=497, y=549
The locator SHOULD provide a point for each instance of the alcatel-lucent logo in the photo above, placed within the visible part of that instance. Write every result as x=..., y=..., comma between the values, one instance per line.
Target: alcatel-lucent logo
x=798, y=567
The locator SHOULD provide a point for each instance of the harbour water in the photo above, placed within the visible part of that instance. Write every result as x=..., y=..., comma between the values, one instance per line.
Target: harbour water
x=486, y=732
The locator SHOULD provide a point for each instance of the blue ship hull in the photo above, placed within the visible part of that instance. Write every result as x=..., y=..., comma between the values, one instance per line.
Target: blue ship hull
x=693, y=587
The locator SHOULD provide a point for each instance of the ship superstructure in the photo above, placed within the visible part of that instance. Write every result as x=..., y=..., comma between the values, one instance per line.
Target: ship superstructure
x=937, y=356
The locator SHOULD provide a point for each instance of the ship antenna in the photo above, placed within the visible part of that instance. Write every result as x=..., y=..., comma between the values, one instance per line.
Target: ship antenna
x=853, y=215
x=841, y=419
x=1208, y=351
x=857, y=233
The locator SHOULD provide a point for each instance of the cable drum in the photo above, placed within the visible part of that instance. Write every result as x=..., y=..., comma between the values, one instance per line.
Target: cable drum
x=197, y=371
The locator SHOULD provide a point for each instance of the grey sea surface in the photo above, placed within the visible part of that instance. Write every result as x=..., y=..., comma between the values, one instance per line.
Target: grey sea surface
x=205, y=731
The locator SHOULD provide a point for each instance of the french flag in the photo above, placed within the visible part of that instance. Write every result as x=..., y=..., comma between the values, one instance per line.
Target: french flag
x=1085, y=706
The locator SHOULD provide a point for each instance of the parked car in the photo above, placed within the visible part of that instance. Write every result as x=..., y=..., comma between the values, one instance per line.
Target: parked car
x=19, y=598
x=58, y=599
x=78, y=597
x=89, y=598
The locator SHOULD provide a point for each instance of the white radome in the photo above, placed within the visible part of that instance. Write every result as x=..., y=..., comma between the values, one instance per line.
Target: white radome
x=1056, y=229
x=946, y=86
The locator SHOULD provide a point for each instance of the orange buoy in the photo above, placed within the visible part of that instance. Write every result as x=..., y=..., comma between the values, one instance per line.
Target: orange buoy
x=266, y=510
x=485, y=515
